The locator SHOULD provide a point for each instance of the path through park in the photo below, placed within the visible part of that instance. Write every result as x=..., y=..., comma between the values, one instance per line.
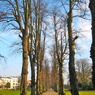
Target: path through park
x=50, y=92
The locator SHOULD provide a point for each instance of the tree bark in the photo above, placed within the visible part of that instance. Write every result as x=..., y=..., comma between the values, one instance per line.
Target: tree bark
x=61, y=92
x=72, y=73
x=32, y=55
x=25, y=46
x=59, y=58
x=32, y=63
x=92, y=52
x=24, y=67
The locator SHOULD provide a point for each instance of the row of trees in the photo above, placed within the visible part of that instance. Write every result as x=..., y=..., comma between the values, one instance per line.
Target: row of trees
x=32, y=18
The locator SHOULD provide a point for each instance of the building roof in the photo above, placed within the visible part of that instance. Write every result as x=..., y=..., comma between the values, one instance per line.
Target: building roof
x=9, y=77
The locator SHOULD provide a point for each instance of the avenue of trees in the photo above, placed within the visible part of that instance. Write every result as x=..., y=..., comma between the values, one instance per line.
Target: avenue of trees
x=48, y=38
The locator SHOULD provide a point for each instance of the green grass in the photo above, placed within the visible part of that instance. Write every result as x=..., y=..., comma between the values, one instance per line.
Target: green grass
x=13, y=92
x=83, y=93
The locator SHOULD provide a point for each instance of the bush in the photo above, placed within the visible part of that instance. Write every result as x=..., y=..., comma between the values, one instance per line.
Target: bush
x=67, y=87
x=85, y=86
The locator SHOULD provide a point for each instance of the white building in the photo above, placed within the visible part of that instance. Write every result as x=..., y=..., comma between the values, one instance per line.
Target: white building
x=12, y=80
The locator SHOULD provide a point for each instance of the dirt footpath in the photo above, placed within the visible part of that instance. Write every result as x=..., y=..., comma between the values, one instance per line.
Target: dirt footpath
x=50, y=93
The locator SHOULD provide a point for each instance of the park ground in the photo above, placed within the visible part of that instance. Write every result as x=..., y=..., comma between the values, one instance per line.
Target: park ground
x=13, y=92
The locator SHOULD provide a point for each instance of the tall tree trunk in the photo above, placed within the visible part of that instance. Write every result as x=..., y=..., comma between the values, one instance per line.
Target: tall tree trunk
x=61, y=70
x=25, y=45
x=61, y=92
x=38, y=47
x=73, y=79
x=38, y=53
x=92, y=52
x=59, y=57
x=31, y=50
x=32, y=63
x=24, y=67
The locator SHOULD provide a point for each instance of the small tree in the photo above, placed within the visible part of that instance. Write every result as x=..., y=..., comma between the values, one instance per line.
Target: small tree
x=7, y=85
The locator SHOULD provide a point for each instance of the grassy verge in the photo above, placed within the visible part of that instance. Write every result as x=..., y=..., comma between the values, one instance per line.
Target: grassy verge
x=83, y=93
x=13, y=92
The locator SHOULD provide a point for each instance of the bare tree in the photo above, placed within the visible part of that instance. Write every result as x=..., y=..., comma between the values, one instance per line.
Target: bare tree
x=60, y=47
x=17, y=17
x=54, y=70
x=46, y=78
x=73, y=79
x=39, y=43
x=83, y=70
x=69, y=6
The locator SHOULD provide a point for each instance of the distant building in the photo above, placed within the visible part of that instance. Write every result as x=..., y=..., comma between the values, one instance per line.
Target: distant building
x=28, y=82
x=12, y=80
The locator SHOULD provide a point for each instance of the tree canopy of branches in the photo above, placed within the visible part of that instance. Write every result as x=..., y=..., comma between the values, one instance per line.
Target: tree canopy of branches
x=32, y=18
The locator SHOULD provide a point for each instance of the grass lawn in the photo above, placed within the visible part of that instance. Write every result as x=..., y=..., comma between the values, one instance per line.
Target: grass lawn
x=83, y=93
x=13, y=92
